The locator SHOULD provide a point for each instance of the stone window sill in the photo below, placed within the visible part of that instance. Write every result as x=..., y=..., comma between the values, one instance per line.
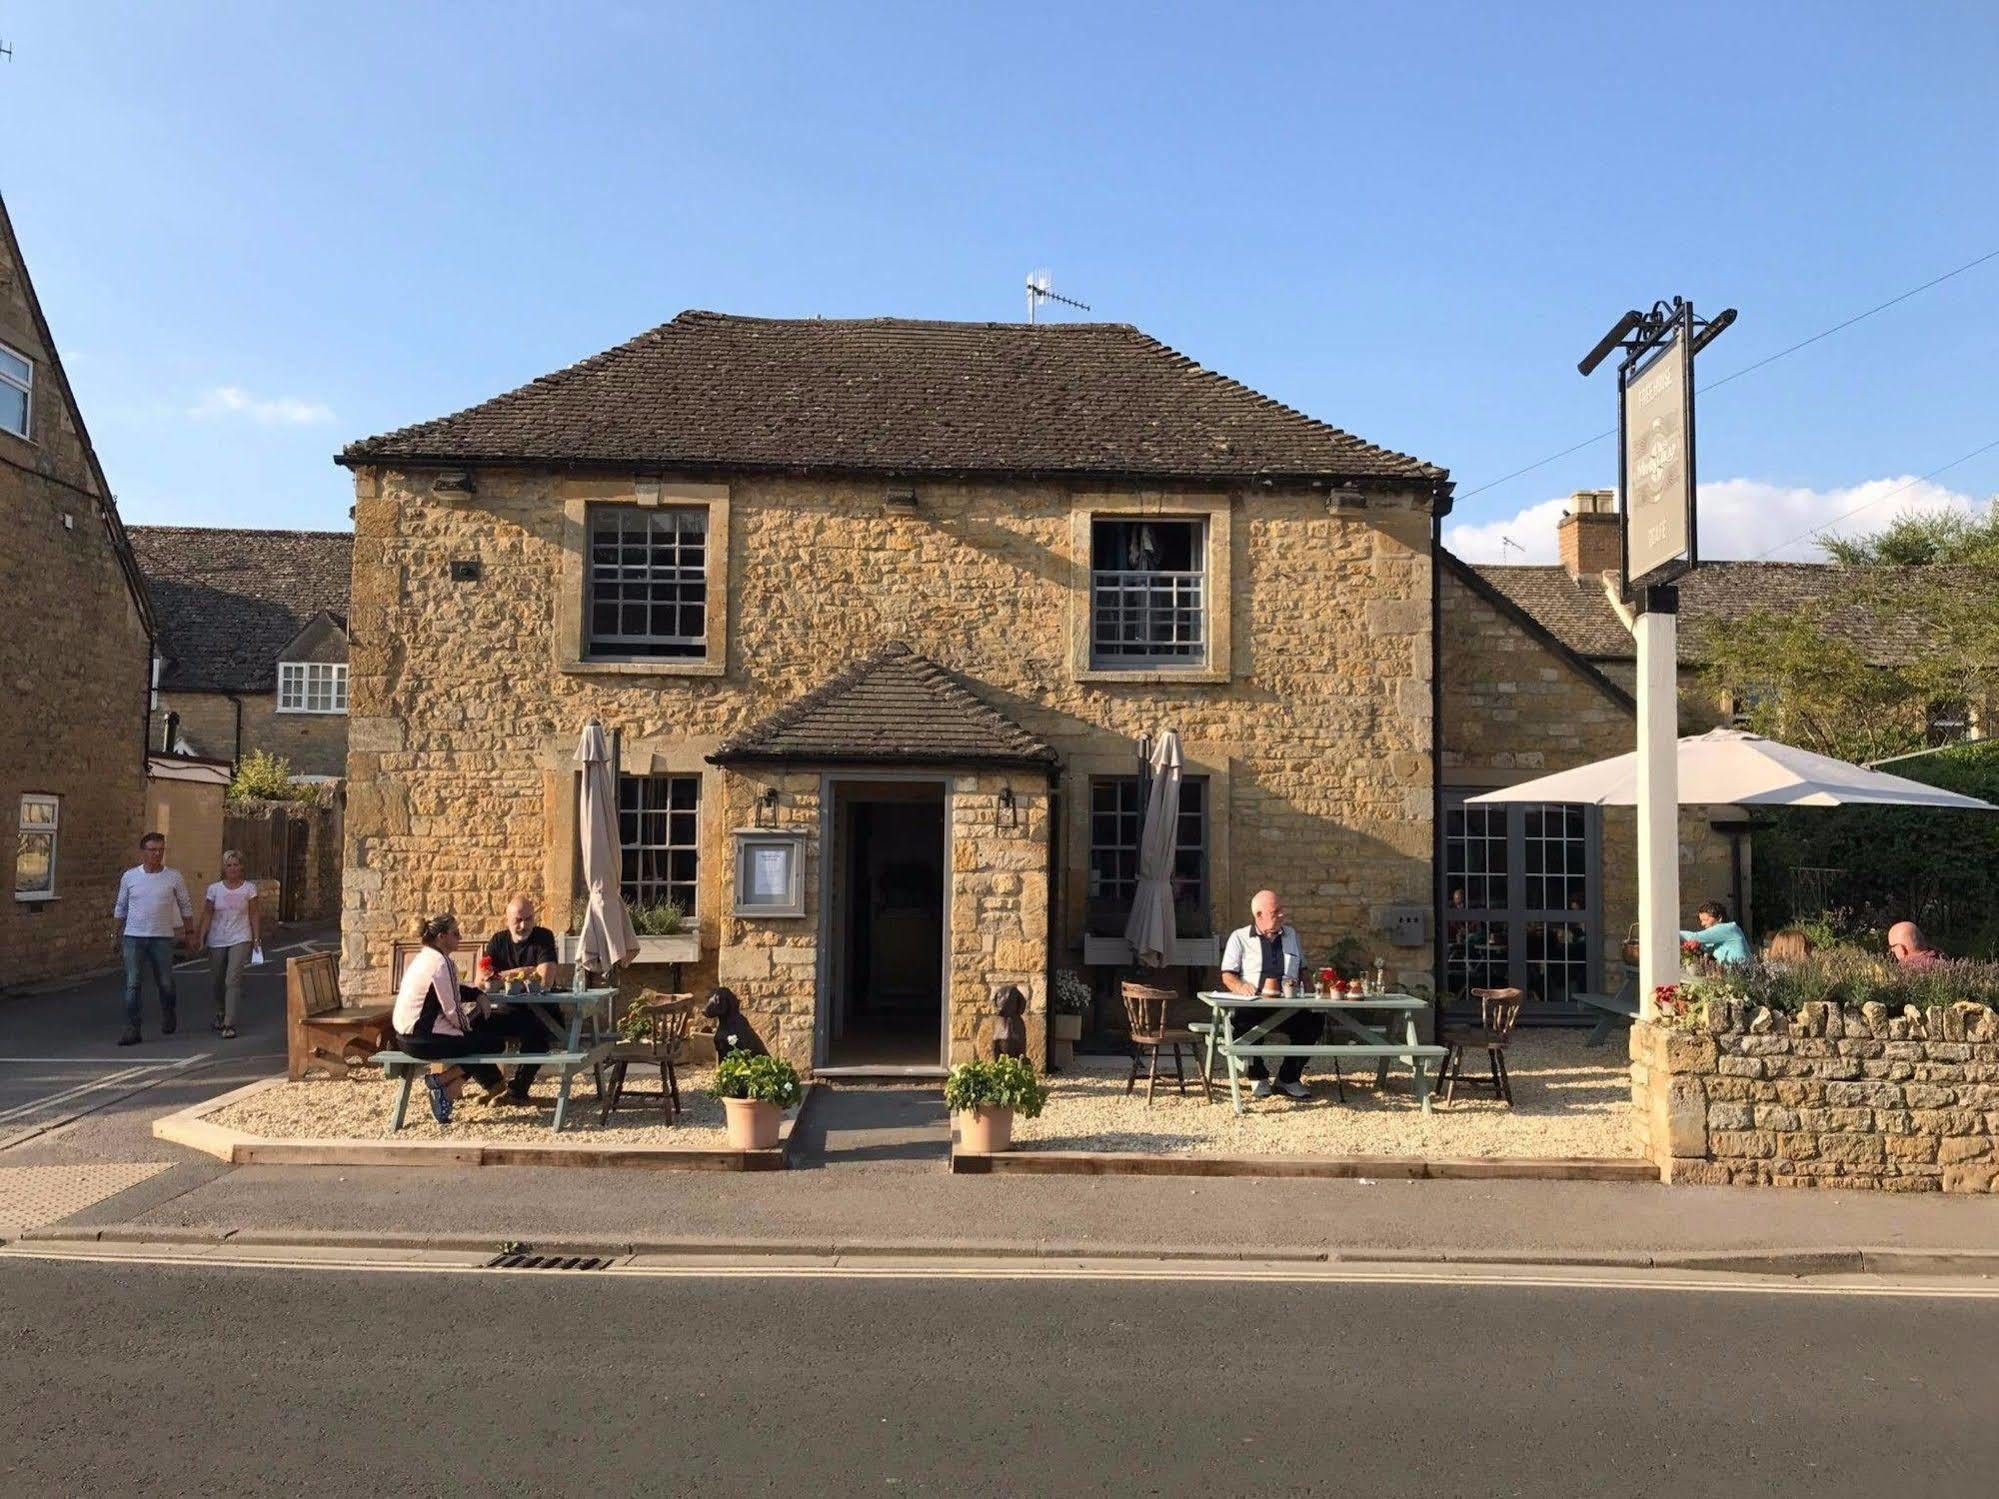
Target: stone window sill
x=50, y=898
x=1206, y=676
x=664, y=667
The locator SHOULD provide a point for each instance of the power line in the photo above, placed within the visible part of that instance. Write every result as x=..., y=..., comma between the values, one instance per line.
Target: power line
x=1750, y=369
x=1820, y=530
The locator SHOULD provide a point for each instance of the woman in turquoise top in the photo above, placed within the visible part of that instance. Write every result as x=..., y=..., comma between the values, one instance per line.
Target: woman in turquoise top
x=1720, y=938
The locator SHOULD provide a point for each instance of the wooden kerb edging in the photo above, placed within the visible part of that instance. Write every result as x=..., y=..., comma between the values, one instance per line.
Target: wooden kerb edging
x=193, y=1128
x=1374, y=1168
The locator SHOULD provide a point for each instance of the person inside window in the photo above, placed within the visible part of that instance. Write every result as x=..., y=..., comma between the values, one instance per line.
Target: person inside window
x=1717, y=937
x=437, y=1018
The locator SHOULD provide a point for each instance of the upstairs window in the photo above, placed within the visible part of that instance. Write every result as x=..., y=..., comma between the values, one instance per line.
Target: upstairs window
x=646, y=591
x=17, y=391
x=312, y=687
x=1148, y=593
x=35, y=852
x=1947, y=722
x=1117, y=817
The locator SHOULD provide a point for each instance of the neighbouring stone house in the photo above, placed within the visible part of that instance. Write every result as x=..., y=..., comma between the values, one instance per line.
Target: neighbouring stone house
x=253, y=643
x=877, y=612
x=75, y=643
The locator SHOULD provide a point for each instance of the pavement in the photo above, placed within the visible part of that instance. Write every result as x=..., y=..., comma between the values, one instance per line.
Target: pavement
x=139, y=1379
x=869, y=1176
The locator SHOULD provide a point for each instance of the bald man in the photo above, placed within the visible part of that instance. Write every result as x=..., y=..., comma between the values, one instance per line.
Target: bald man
x=1259, y=959
x=1910, y=947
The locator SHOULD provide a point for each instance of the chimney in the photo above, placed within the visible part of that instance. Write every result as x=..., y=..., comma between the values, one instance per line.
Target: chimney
x=1588, y=534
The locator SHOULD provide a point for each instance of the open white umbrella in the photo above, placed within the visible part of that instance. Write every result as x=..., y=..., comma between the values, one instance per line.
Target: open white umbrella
x=1150, y=927
x=1729, y=767
x=607, y=938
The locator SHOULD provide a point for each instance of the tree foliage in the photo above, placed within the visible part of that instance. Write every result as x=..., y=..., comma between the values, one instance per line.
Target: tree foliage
x=262, y=777
x=1922, y=540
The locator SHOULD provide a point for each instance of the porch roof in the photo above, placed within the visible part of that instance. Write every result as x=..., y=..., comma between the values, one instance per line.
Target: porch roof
x=892, y=707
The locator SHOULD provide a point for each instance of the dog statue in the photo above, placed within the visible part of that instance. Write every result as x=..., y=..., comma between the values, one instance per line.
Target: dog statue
x=733, y=1031
x=1010, y=1030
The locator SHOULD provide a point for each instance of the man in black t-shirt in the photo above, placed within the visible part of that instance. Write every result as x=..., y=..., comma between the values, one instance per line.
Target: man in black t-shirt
x=522, y=948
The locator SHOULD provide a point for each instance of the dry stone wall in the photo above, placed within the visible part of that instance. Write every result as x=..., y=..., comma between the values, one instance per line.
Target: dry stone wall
x=1829, y=1097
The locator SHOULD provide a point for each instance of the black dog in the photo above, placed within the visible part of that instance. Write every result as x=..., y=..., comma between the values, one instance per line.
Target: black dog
x=1010, y=1031
x=733, y=1031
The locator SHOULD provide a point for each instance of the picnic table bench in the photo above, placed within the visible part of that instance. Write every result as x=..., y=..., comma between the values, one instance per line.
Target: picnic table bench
x=570, y=1058
x=1368, y=1041
x=1623, y=1005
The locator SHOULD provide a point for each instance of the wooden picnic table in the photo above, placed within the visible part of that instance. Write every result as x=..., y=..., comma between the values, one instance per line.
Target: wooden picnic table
x=573, y=1055
x=1271, y=1010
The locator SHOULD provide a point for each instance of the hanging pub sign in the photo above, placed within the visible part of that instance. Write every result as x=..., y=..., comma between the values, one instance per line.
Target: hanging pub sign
x=1655, y=422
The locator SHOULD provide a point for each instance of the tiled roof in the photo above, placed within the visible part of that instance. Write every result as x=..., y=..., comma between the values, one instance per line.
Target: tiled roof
x=709, y=391
x=1579, y=615
x=891, y=707
x=229, y=600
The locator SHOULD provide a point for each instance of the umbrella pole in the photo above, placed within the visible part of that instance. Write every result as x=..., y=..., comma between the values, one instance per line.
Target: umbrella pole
x=1657, y=632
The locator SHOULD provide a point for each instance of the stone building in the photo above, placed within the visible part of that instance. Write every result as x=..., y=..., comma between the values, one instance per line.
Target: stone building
x=878, y=611
x=253, y=643
x=75, y=643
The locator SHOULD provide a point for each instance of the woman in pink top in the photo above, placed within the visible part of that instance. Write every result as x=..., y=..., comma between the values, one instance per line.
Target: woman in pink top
x=437, y=1018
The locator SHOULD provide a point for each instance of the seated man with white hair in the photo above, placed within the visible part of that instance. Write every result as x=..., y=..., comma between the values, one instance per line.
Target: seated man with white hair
x=1262, y=958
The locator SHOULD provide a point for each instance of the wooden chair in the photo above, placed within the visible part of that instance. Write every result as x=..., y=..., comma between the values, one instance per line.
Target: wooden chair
x=1145, y=1013
x=666, y=1019
x=1499, y=1011
x=322, y=1034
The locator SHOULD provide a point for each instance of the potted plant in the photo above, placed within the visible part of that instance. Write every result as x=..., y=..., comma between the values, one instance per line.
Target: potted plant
x=984, y=1096
x=1071, y=1002
x=755, y=1092
x=662, y=929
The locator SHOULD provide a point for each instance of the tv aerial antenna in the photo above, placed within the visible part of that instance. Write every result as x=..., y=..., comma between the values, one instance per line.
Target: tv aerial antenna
x=1038, y=292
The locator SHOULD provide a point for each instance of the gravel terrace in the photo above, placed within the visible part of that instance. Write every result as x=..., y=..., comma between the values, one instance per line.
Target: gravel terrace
x=358, y=1109
x=1569, y=1100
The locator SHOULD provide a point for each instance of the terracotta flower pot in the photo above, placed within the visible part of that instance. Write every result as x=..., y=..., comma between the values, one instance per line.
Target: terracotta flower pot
x=1068, y=1027
x=752, y=1123
x=984, y=1130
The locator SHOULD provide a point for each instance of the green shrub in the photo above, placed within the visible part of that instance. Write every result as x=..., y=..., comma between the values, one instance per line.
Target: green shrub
x=1003, y=1083
x=665, y=919
x=765, y=1079
x=262, y=777
x=1846, y=976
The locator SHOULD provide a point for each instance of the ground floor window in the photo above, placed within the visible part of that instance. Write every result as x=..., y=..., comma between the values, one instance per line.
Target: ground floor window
x=35, y=852
x=1520, y=899
x=659, y=840
x=1117, y=816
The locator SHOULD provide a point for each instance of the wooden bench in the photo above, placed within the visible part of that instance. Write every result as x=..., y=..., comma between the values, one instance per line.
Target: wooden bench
x=401, y=1065
x=1623, y=1005
x=1384, y=1052
x=321, y=1033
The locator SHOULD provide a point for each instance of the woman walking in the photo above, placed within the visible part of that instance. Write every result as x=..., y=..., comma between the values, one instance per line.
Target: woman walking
x=230, y=929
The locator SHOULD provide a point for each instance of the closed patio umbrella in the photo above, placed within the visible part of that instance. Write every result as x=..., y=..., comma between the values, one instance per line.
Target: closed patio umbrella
x=606, y=938
x=1730, y=767
x=1150, y=927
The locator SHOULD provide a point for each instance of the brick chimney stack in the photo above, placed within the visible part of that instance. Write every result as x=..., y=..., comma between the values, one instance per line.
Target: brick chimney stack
x=1587, y=535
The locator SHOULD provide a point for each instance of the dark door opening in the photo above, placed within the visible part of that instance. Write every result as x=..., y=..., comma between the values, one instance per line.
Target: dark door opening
x=888, y=990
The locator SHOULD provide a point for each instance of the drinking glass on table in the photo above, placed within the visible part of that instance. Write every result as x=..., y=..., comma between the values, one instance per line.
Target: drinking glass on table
x=1290, y=990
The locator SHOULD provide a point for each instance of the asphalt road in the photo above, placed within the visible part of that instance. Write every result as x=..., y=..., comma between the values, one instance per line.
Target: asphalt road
x=130, y=1379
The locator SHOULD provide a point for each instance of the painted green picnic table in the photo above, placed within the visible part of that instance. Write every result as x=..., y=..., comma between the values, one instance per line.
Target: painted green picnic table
x=1271, y=1010
x=568, y=1059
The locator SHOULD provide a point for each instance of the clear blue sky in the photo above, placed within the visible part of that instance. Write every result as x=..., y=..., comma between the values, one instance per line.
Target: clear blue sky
x=262, y=230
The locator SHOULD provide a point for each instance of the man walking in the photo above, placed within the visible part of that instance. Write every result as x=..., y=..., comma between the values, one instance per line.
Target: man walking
x=153, y=905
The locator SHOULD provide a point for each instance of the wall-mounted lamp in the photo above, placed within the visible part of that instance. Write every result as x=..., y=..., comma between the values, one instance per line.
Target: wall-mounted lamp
x=901, y=501
x=1009, y=806
x=454, y=485
x=768, y=801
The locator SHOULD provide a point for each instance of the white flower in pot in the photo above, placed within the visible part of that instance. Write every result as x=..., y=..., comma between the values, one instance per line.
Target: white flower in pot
x=755, y=1091
x=983, y=1098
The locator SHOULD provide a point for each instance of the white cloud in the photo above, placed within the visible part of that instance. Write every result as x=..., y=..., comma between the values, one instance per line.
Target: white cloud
x=283, y=411
x=1738, y=518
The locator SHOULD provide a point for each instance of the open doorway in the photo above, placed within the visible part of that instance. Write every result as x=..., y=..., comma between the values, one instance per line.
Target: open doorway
x=888, y=868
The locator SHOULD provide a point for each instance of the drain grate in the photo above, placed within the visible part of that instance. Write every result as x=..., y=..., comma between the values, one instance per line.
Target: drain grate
x=548, y=1262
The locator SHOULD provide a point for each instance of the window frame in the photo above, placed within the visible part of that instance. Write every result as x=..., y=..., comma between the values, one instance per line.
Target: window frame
x=1125, y=583
x=579, y=497
x=52, y=831
x=336, y=681
x=1216, y=513
x=608, y=648
x=1098, y=906
x=26, y=386
x=631, y=889
x=1513, y=914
